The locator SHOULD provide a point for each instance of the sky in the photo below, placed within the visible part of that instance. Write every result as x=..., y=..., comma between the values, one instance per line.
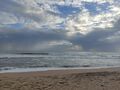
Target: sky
x=59, y=25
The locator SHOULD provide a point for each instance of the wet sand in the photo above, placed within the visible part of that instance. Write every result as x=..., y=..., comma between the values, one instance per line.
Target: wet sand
x=78, y=79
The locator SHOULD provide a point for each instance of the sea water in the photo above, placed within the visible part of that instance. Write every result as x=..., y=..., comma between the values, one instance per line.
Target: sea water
x=26, y=62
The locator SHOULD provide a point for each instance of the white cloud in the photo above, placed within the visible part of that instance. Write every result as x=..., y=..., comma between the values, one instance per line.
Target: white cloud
x=7, y=18
x=84, y=22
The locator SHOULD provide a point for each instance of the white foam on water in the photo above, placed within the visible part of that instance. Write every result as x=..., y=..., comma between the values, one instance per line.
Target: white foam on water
x=57, y=61
x=20, y=70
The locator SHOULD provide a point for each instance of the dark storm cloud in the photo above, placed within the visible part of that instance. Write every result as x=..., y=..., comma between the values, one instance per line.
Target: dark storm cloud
x=25, y=39
x=96, y=39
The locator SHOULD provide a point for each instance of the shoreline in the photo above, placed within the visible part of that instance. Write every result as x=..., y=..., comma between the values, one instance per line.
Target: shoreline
x=64, y=71
x=30, y=70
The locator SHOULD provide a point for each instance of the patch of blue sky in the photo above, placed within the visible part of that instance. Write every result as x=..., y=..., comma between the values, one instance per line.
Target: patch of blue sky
x=104, y=6
x=61, y=25
x=16, y=26
x=95, y=8
x=66, y=10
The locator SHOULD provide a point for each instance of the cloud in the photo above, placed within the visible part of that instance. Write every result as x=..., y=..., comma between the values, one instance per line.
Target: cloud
x=59, y=25
x=85, y=22
x=99, y=40
x=27, y=40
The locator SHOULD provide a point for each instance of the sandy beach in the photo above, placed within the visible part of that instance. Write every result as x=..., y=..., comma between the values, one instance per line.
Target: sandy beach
x=79, y=79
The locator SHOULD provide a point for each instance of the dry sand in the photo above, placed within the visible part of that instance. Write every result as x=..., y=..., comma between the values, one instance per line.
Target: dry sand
x=93, y=79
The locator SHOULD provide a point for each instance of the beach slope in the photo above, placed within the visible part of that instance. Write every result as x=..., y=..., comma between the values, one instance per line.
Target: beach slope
x=85, y=79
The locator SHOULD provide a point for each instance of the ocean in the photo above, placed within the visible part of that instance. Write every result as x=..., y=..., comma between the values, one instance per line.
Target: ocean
x=27, y=62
